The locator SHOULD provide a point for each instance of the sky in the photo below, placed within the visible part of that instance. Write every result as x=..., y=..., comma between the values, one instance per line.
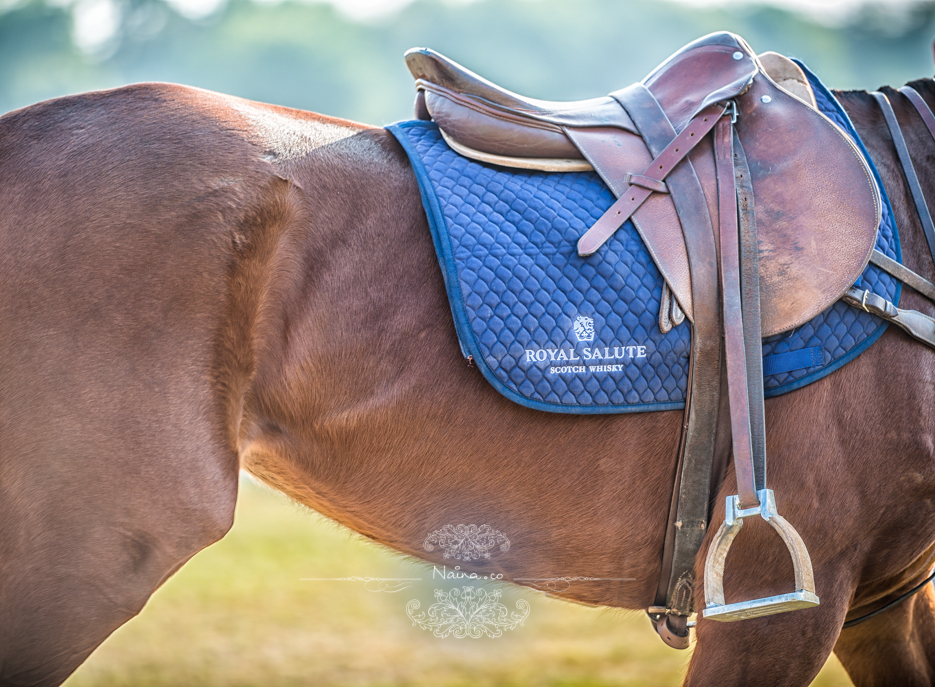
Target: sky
x=96, y=21
x=825, y=10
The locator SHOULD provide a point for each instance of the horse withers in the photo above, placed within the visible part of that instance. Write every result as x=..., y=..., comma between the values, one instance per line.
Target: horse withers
x=194, y=283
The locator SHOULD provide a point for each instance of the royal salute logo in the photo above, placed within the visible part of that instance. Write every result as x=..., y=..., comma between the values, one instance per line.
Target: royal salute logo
x=578, y=359
x=584, y=328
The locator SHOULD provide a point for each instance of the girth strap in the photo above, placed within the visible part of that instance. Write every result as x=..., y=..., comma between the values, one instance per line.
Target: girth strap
x=903, y=274
x=917, y=325
x=689, y=509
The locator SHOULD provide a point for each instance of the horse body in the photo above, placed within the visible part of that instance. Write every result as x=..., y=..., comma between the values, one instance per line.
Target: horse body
x=194, y=283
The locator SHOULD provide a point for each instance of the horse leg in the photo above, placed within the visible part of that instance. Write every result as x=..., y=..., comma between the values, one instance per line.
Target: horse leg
x=783, y=650
x=896, y=647
x=84, y=542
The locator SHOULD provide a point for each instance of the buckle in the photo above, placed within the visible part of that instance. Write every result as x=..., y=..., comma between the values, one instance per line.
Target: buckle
x=803, y=597
x=732, y=110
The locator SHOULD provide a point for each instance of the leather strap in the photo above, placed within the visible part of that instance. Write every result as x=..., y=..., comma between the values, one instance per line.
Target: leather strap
x=750, y=296
x=734, y=350
x=914, y=323
x=688, y=515
x=903, y=274
x=912, y=179
x=646, y=182
x=921, y=106
x=642, y=185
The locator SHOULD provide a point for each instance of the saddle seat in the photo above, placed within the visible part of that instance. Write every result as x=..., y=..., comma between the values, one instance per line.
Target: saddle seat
x=488, y=118
x=817, y=205
x=481, y=117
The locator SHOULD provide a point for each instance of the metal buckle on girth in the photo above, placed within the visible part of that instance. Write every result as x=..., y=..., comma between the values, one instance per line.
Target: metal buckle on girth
x=803, y=597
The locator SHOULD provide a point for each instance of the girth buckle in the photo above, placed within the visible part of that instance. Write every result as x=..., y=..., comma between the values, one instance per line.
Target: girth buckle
x=804, y=595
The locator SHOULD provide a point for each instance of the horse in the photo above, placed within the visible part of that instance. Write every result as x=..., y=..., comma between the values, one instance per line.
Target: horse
x=196, y=284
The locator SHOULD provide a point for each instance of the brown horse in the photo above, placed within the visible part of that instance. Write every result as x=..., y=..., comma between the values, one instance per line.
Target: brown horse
x=194, y=283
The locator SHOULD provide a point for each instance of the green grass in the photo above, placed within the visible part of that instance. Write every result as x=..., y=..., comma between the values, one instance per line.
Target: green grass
x=239, y=615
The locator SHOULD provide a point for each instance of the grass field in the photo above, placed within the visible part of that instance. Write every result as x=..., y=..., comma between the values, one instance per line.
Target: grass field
x=240, y=615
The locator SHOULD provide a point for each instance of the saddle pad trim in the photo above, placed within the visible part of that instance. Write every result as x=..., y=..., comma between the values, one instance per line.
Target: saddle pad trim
x=830, y=106
x=466, y=337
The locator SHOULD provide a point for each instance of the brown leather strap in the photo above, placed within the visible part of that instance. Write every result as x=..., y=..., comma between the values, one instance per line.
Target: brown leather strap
x=903, y=274
x=916, y=324
x=689, y=508
x=750, y=297
x=646, y=182
x=637, y=193
x=921, y=106
x=912, y=179
x=734, y=349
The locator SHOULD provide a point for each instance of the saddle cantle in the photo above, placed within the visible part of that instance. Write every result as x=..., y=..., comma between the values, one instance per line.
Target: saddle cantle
x=817, y=205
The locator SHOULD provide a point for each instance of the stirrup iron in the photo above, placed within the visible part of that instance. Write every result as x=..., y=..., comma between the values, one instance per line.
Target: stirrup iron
x=804, y=595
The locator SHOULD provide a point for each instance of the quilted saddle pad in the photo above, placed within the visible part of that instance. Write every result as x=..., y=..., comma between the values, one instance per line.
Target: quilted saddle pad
x=557, y=332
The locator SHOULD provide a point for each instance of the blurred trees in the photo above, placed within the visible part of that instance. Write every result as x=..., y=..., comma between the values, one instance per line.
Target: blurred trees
x=312, y=57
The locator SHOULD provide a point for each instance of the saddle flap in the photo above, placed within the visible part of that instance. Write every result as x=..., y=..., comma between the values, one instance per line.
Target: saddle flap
x=817, y=205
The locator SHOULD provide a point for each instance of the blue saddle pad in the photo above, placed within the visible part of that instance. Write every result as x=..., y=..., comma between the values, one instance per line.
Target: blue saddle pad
x=554, y=331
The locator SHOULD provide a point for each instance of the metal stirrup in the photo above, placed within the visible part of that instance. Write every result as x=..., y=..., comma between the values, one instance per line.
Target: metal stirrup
x=804, y=595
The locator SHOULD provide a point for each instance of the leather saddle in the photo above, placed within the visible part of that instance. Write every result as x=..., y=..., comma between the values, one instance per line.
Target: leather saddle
x=817, y=205
x=755, y=228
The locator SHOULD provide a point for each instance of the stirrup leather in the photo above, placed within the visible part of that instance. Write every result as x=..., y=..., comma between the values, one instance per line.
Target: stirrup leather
x=804, y=595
